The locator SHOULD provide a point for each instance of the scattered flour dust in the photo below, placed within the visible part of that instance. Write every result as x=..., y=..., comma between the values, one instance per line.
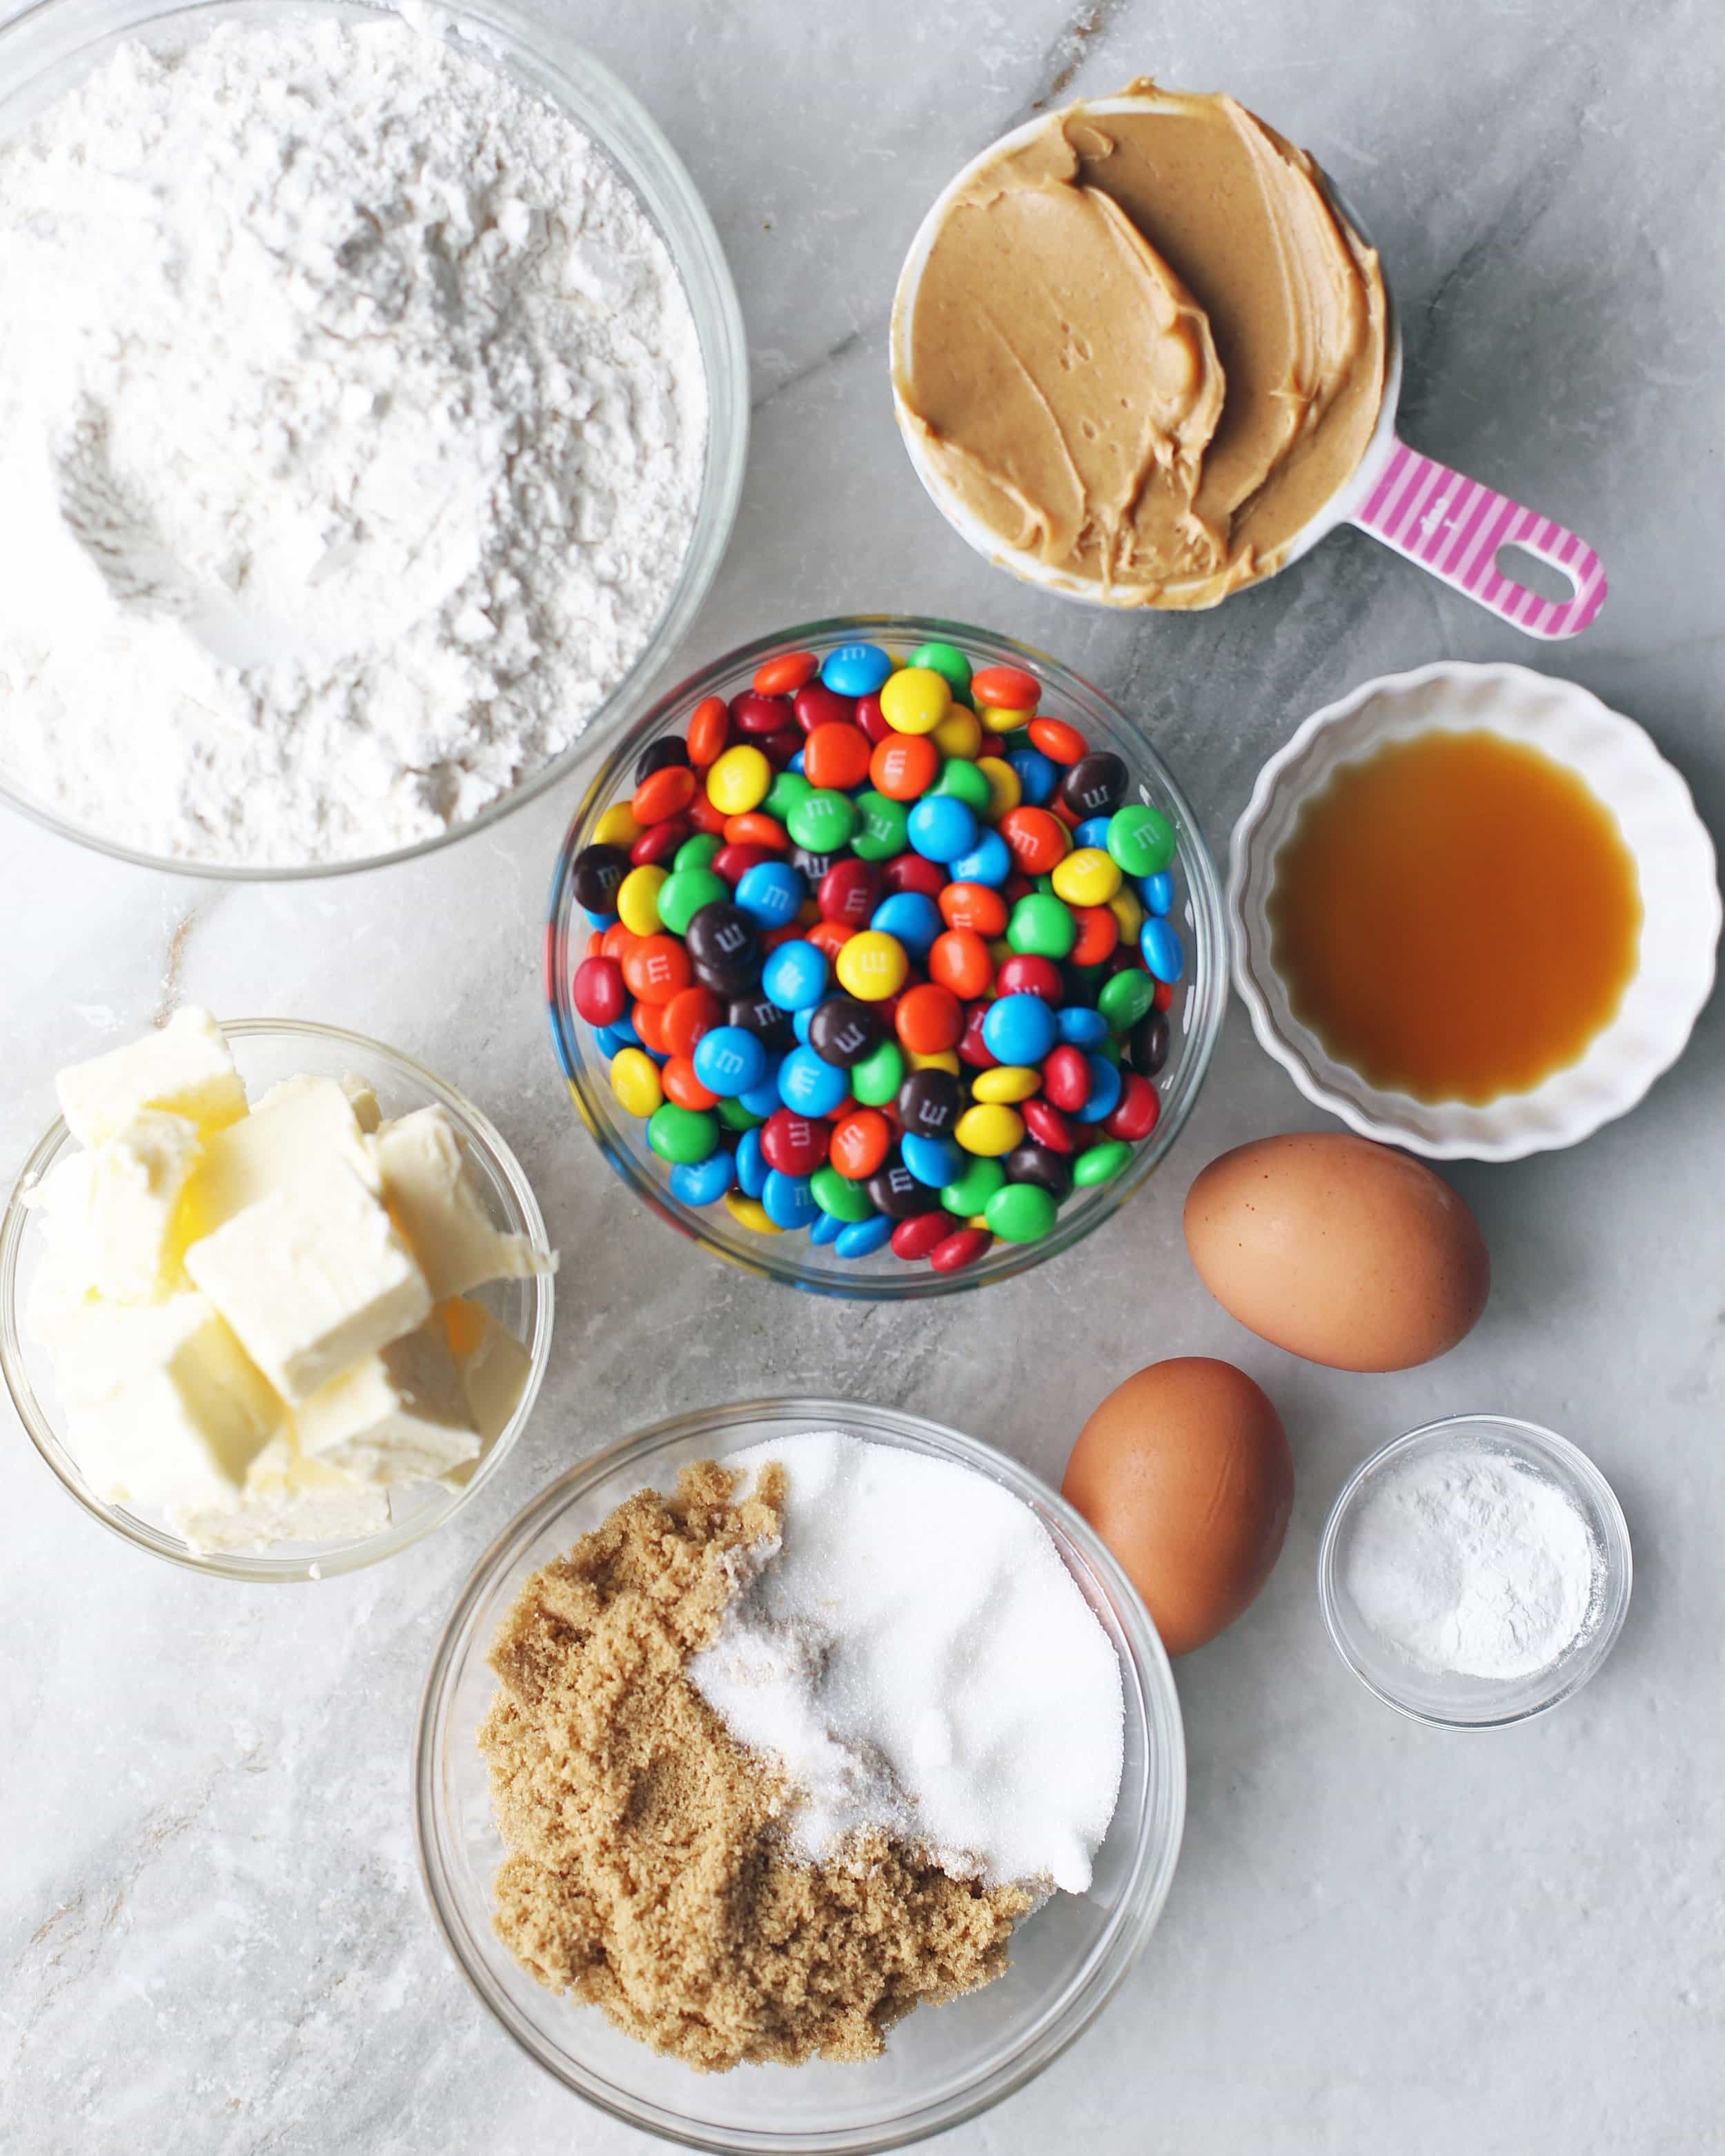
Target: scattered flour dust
x=352, y=422
x=1469, y=1562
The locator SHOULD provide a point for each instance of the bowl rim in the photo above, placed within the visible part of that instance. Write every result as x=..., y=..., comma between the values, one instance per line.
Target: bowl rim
x=1145, y=1668
x=258, y=1567
x=1369, y=1110
x=1207, y=969
x=1563, y=1460
x=630, y=139
x=1329, y=517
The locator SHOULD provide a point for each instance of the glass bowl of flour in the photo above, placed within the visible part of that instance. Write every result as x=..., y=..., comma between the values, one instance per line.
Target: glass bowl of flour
x=373, y=410
x=1475, y=1572
x=941, y=2064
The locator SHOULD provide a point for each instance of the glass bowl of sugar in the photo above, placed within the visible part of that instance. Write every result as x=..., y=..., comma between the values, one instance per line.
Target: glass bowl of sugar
x=939, y=2067
x=1475, y=1572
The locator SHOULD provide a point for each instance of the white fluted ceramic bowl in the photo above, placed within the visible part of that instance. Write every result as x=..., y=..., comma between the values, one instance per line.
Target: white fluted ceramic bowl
x=1673, y=859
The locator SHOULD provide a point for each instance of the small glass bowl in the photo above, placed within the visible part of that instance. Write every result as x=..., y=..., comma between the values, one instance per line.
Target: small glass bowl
x=266, y=1050
x=941, y=2064
x=53, y=45
x=1195, y=1019
x=1445, y=1700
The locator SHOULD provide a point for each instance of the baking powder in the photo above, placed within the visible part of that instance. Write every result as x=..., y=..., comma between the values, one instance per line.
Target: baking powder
x=351, y=429
x=1471, y=1563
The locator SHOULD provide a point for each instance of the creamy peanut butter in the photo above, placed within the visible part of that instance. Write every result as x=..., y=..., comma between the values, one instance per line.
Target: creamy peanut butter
x=1144, y=349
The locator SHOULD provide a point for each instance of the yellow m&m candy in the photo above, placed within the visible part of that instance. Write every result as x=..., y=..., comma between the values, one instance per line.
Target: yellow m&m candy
x=915, y=700
x=638, y=898
x=634, y=1079
x=739, y=780
x=1006, y=1082
x=1128, y=910
x=958, y=734
x=995, y=721
x=1088, y=877
x=991, y=1129
x=1005, y=787
x=872, y=965
x=749, y=1213
x=616, y=827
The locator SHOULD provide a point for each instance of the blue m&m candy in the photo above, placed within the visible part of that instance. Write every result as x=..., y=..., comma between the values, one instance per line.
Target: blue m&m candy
x=1163, y=952
x=911, y=917
x=988, y=861
x=704, y=1182
x=810, y=1085
x=729, y=1060
x=855, y=670
x=1019, y=1029
x=787, y=1199
x=941, y=827
x=771, y=892
x=795, y=975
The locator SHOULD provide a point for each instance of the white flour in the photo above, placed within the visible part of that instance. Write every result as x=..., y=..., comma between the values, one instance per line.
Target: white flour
x=1467, y=1562
x=352, y=426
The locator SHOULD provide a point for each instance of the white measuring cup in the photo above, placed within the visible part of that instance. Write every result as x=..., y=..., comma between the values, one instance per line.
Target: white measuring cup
x=1455, y=527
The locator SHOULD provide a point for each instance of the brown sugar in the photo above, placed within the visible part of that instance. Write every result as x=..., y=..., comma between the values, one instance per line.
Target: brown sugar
x=648, y=1869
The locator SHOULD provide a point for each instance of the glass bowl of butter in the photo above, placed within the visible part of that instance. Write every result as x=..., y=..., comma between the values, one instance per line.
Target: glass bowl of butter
x=274, y=1301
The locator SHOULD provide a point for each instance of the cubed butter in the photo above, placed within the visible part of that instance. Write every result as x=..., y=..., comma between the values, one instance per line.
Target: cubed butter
x=363, y=1101
x=399, y=1416
x=108, y=1212
x=186, y=1068
x=287, y=1498
x=436, y=1202
x=163, y=1404
x=297, y=1127
x=312, y=1279
x=495, y=1367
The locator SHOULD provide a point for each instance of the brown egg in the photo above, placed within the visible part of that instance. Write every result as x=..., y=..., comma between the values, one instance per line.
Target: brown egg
x=1342, y=1251
x=1184, y=1471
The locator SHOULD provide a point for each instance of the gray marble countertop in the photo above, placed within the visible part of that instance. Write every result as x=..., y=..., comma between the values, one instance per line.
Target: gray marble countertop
x=1380, y=1937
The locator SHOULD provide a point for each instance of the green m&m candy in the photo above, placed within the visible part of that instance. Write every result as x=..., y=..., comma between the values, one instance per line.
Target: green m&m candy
x=682, y=1136
x=1020, y=1212
x=1141, y=839
x=1042, y=926
x=698, y=852
x=946, y=660
x=787, y=788
x=839, y=1195
x=970, y=1192
x=823, y=820
x=882, y=827
x=683, y=893
x=1099, y=1163
x=1124, y=999
x=965, y=783
x=876, y=1079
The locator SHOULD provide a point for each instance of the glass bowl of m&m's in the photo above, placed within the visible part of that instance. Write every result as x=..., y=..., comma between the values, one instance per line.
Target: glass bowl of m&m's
x=885, y=957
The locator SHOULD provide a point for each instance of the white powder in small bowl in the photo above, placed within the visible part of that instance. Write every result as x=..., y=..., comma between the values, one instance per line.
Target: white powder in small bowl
x=1470, y=1563
x=917, y=1654
x=352, y=425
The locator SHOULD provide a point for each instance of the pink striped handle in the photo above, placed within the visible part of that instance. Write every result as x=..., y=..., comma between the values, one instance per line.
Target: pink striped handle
x=1454, y=526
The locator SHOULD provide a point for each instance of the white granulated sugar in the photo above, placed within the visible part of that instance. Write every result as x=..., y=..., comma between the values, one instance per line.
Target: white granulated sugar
x=917, y=1655
x=1471, y=1563
x=352, y=422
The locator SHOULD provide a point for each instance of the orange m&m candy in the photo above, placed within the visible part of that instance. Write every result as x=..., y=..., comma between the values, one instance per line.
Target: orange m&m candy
x=903, y=766
x=975, y=906
x=836, y=756
x=1008, y=685
x=656, y=969
x=861, y=1143
x=1036, y=839
x=1058, y=741
x=681, y=1085
x=785, y=674
x=929, y=1018
x=709, y=730
x=959, y=961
